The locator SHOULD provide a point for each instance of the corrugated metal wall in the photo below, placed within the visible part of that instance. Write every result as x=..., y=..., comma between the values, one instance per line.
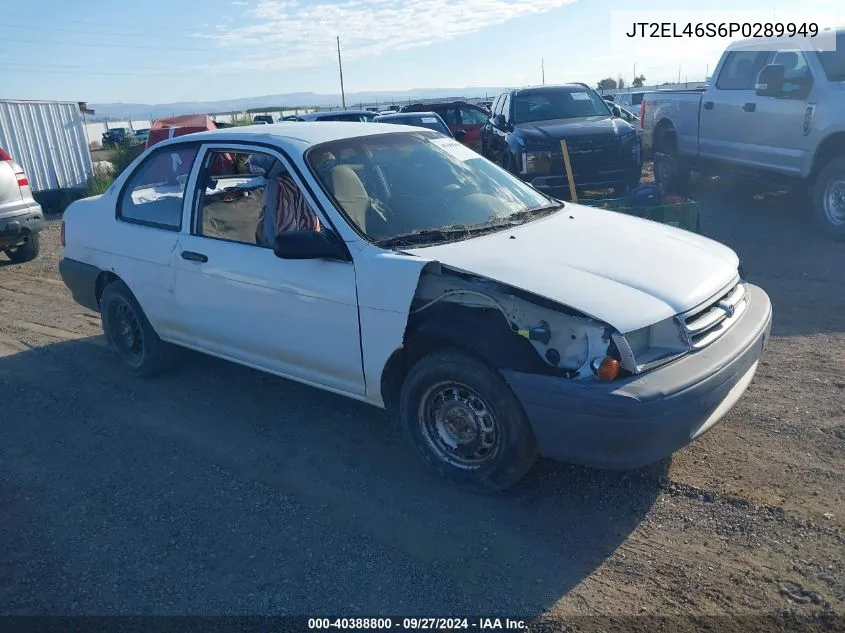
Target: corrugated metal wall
x=48, y=140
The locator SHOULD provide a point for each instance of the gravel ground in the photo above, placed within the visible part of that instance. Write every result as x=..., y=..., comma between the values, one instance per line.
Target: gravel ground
x=216, y=489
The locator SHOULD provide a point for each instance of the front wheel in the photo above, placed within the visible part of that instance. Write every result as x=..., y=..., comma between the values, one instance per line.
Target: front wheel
x=829, y=199
x=466, y=423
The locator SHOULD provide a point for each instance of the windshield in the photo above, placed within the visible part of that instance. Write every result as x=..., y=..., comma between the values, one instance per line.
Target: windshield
x=392, y=185
x=428, y=121
x=833, y=62
x=561, y=103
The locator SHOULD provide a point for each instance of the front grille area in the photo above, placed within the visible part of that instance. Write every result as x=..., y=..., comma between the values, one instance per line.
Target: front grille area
x=710, y=321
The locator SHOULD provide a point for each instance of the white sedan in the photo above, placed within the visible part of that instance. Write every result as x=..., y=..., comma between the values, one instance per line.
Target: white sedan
x=395, y=266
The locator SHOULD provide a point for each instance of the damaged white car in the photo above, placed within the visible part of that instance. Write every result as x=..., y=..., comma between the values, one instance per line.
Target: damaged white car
x=393, y=265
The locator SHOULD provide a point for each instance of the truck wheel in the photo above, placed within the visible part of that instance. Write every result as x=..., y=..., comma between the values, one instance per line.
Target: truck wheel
x=27, y=251
x=466, y=423
x=130, y=334
x=670, y=171
x=829, y=199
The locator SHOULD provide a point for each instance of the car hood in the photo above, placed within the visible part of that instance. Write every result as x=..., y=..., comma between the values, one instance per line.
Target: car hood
x=620, y=269
x=558, y=129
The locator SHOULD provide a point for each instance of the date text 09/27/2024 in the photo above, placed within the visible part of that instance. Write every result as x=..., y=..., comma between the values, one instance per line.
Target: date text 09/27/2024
x=722, y=29
x=417, y=624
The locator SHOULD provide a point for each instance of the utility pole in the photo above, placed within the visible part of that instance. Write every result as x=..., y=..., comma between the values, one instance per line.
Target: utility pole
x=635, y=73
x=543, y=70
x=340, y=67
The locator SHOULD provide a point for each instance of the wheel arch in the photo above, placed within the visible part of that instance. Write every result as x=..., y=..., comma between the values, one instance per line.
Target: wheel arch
x=831, y=147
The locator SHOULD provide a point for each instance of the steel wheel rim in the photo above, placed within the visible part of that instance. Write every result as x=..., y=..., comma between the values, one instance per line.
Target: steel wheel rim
x=458, y=426
x=125, y=332
x=834, y=202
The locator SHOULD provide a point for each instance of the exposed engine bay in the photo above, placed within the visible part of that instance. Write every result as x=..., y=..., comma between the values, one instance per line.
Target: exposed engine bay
x=566, y=340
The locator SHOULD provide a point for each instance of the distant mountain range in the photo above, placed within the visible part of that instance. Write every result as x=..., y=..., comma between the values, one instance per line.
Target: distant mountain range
x=142, y=111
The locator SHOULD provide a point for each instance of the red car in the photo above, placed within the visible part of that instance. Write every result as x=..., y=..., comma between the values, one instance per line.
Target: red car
x=459, y=115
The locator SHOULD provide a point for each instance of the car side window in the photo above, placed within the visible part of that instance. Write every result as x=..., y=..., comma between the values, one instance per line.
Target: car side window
x=740, y=70
x=494, y=109
x=506, y=108
x=471, y=116
x=250, y=198
x=154, y=193
x=797, y=78
x=450, y=115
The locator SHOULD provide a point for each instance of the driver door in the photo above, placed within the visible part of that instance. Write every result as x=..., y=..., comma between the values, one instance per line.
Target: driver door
x=295, y=318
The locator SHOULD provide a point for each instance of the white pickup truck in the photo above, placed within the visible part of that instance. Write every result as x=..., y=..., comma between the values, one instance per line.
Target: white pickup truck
x=773, y=107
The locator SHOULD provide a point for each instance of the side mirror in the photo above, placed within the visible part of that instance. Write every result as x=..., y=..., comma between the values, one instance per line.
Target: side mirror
x=499, y=121
x=770, y=81
x=309, y=245
x=459, y=134
x=616, y=111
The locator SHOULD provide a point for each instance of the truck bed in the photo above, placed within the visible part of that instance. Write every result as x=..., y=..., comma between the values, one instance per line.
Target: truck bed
x=682, y=108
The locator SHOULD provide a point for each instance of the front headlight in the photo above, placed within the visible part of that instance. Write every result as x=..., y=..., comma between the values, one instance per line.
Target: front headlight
x=536, y=162
x=654, y=345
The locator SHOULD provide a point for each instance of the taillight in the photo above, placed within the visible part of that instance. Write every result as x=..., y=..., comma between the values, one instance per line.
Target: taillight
x=22, y=179
x=63, y=235
x=642, y=114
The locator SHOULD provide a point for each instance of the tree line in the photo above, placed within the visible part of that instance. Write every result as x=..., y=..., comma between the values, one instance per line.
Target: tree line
x=609, y=83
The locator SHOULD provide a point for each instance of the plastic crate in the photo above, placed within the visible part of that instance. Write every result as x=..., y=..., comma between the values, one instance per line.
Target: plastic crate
x=684, y=215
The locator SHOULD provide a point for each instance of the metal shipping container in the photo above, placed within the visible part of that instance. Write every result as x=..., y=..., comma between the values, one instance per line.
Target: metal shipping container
x=48, y=139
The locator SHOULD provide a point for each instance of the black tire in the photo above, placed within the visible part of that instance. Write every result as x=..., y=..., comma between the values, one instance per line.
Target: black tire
x=130, y=334
x=27, y=251
x=472, y=386
x=670, y=170
x=829, y=199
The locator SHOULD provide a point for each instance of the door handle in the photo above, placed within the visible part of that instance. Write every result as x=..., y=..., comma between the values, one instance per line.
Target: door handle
x=194, y=257
x=749, y=107
x=708, y=105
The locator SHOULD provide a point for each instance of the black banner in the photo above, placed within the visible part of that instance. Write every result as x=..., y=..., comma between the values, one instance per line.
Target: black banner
x=787, y=621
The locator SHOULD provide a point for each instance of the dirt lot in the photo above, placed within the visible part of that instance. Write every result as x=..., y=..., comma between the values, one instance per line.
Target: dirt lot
x=219, y=490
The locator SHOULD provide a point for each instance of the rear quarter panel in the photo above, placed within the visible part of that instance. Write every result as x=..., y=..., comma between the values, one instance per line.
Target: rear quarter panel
x=678, y=109
x=141, y=256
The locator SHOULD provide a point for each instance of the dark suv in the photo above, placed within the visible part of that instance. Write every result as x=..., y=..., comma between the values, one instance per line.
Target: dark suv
x=526, y=128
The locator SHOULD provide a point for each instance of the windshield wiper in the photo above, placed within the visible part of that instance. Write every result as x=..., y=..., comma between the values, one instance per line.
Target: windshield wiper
x=448, y=233
x=445, y=234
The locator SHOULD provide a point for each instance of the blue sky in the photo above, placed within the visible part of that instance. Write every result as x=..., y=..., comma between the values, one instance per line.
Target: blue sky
x=161, y=51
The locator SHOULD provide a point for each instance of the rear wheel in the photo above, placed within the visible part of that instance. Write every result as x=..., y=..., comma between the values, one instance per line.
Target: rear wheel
x=130, y=334
x=27, y=251
x=670, y=171
x=466, y=423
x=829, y=199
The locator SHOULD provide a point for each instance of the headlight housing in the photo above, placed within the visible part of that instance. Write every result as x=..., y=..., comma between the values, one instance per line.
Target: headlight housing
x=654, y=345
x=536, y=162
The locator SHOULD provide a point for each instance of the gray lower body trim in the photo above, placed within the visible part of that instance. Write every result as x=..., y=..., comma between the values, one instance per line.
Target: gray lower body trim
x=644, y=418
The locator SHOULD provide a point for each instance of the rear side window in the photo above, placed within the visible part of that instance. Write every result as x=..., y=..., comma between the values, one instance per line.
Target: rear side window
x=740, y=70
x=472, y=116
x=154, y=193
x=450, y=115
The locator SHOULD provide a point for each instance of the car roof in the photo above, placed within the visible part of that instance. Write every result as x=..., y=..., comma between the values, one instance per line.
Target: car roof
x=804, y=43
x=549, y=88
x=405, y=115
x=316, y=115
x=312, y=134
x=433, y=104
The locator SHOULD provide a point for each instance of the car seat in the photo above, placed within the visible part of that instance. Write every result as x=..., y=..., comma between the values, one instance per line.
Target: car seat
x=350, y=192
